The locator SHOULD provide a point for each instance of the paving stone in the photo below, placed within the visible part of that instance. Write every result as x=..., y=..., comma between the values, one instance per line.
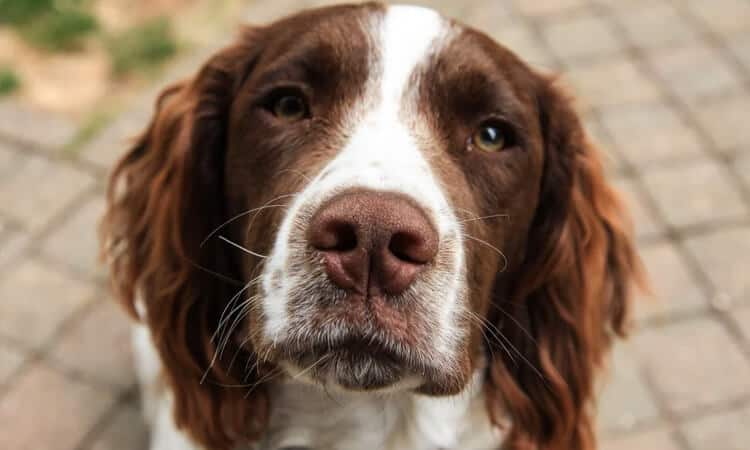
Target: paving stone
x=648, y=440
x=601, y=139
x=98, y=345
x=521, y=40
x=725, y=120
x=583, y=35
x=694, y=364
x=40, y=189
x=722, y=16
x=46, y=410
x=126, y=432
x=38, y=128
x=75, y=242
x=36, y=300
x=594, y=83
x=109, y=145
x=739, y=45
x=547, y=7
x=647, y=133
x=726, y=431
x=12, y=246
x=625, y=401
x=659, y=25
x=10, y=360
x=489, y=17
x=723, y=255
x=675, y=288
x=695, y=73
x=742, y=167
x=741, y=317
x=646, y=225
x=694, y=193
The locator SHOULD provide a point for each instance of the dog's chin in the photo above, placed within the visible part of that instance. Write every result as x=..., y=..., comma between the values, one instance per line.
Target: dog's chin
x=353, y=370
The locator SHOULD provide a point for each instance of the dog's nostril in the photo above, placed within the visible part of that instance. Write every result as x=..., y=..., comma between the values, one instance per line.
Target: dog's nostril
x=337, y=236
x=410, y=248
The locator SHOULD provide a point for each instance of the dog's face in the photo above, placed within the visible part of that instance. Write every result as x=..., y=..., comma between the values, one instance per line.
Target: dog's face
x=372, y=198
x=407, y=154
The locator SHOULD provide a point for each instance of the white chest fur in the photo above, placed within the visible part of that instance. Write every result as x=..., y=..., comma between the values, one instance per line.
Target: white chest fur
x=305, y=416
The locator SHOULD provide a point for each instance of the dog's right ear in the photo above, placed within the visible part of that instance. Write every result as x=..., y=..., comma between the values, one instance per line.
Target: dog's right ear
x=165, y=196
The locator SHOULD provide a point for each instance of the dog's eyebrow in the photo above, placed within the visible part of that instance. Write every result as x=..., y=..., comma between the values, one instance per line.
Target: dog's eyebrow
x=309, y=63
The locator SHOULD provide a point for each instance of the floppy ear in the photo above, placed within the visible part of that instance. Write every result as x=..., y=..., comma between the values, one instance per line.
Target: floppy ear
x=571, y=295
x=165, y=196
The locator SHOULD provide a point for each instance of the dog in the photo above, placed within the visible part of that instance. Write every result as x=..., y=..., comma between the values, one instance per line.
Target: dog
x=368, y=227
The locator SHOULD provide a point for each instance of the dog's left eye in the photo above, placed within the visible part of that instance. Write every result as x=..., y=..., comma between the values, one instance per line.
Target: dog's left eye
x=290, y=107
x=491, y=138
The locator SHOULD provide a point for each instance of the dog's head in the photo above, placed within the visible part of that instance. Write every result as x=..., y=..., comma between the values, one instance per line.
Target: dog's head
x=371, y=198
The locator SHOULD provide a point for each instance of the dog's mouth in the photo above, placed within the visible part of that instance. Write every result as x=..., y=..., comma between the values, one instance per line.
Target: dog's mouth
x=354, y=363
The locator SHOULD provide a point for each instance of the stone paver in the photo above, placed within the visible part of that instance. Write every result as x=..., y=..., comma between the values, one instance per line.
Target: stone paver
x=695, y=193
x=725, y=121
x=39, y=189
x=648, y=133
x=46, y=410
x=625, y=401
x=742, y=318
x=83, y=348
x=646, y=225
x=723, y=255
x=126, y=432
x=664, y=90
x=651, y=440
x=10, y=360
x=675, y=289
x=694, y=364
x=722, y=16
x=657, y=26
x=594, y=83
x=726, y=431
x=75, y=242
x=695, y=73
x=42, y=130
x=36, y=300
x=583, y=35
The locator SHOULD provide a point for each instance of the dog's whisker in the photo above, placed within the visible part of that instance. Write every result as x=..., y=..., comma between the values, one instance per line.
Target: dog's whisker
x=499, y=252
x=248, y=251
x=244, y=213
x=492, y=216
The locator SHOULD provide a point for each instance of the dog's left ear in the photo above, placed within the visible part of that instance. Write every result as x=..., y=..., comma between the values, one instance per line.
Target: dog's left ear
x=165, y=196
x=572, y=293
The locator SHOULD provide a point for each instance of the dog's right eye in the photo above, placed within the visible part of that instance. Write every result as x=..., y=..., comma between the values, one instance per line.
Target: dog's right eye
x=290, y=107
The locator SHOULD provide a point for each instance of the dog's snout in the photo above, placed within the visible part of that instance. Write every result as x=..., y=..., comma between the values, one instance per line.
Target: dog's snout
x=373, y=242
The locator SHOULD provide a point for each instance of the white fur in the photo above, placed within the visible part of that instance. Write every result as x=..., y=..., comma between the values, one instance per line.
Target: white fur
x=382, y=154
x=303, y=415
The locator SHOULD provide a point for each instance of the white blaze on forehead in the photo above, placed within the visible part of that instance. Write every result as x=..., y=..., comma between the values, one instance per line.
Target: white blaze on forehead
x=381, y=154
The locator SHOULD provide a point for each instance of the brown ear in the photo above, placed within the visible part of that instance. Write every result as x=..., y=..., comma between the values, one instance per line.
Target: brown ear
x=165, y=196
x=571, y=296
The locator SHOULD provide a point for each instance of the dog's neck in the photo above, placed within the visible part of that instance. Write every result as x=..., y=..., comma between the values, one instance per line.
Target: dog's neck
x=307, y=417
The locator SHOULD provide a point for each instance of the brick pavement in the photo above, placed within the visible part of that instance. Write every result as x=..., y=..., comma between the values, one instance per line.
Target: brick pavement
x=664, y=86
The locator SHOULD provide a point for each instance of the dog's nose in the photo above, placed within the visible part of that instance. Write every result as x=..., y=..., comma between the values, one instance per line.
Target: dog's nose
x=373, y=242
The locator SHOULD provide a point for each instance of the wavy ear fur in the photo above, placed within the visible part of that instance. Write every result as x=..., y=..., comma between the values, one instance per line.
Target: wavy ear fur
x=571, y=296
x=165, y=196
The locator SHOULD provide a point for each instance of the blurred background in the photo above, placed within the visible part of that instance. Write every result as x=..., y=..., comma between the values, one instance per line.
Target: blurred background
x=663, y=86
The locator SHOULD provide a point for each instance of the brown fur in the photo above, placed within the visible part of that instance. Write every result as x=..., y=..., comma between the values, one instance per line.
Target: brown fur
x=559, y=300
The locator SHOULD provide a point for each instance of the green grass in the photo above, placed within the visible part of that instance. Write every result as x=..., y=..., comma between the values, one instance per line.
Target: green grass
x=9, y=81
x=19, y=12
x=145, y=46
x=49, y=24
x=59, y=30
